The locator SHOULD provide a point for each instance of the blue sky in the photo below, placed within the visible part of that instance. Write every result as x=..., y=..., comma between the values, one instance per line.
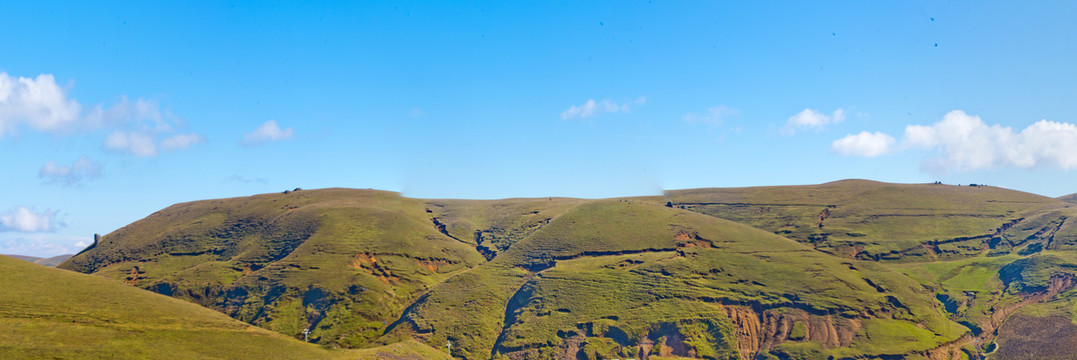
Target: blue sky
x=111, y=111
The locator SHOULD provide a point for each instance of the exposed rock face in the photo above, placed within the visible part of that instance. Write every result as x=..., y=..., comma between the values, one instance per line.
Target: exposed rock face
x=759, y=332
x=822, y=216
x=134, y=276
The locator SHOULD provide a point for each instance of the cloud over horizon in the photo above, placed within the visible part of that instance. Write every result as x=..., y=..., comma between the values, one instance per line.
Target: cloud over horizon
x=593, y=108
x=269, y=131
x=963, y=142
x=42, y=244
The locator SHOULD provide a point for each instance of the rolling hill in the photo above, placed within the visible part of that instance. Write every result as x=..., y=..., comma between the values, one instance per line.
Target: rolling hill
x=851, y=269
x=49, y=261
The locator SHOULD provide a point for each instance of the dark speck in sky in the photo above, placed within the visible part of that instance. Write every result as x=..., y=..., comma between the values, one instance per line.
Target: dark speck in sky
x=932, y=19
x=601, y=23
x=936, y=44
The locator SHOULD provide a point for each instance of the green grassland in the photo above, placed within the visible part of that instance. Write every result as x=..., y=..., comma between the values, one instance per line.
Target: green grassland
x=849, y=269
x=50, y=313
x=871, y=220
x=343, y=263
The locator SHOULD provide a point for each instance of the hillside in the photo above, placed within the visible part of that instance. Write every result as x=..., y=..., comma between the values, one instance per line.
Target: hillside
x=850, y=269
x=50, y=313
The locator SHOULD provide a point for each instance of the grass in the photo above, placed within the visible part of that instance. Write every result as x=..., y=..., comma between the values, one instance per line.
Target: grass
x=633, y=266
x=261, y=258
x=867, y=219
x=46, y=313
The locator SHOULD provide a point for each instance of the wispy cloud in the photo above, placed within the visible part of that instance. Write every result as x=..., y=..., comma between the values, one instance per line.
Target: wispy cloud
x=181, y=141
x=81, y=170
x=714, y=116
x=142, y=144
x=134, y=143
x=812, y=119
x=592, y=108
x=145, y=128
x=267, y=132
x=140, y=114
x=23, y=219
x=962, y=142
x=415, y=112
x=246, y=180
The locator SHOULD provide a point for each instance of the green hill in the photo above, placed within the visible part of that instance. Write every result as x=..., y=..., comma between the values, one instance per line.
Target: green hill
x=50, y=313
x=877, y=221
x=850, y=269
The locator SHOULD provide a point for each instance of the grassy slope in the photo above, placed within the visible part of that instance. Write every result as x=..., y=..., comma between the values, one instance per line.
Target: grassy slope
x=51, y=261
x=562, y=270
x=917, y=230
x=637, y=266
x=871, y=220
x=343, y=262
x=46, y=313
x=495, y=225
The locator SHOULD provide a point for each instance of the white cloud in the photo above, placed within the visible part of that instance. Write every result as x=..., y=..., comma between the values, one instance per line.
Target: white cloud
x=36, y=102
x=812, y=119
x=181, y=141
x=129, y=142
x=965, y=142
x=267, y=132
x=40, y=104
x=82, y=169
x=25, y=220
x=962, y=142
x=866, y=144
x=592, y=108
x=714, y=115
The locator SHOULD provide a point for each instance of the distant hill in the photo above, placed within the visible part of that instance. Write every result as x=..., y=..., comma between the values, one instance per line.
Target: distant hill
x=1071, y=198
x=52, y=261
x=849, y=269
